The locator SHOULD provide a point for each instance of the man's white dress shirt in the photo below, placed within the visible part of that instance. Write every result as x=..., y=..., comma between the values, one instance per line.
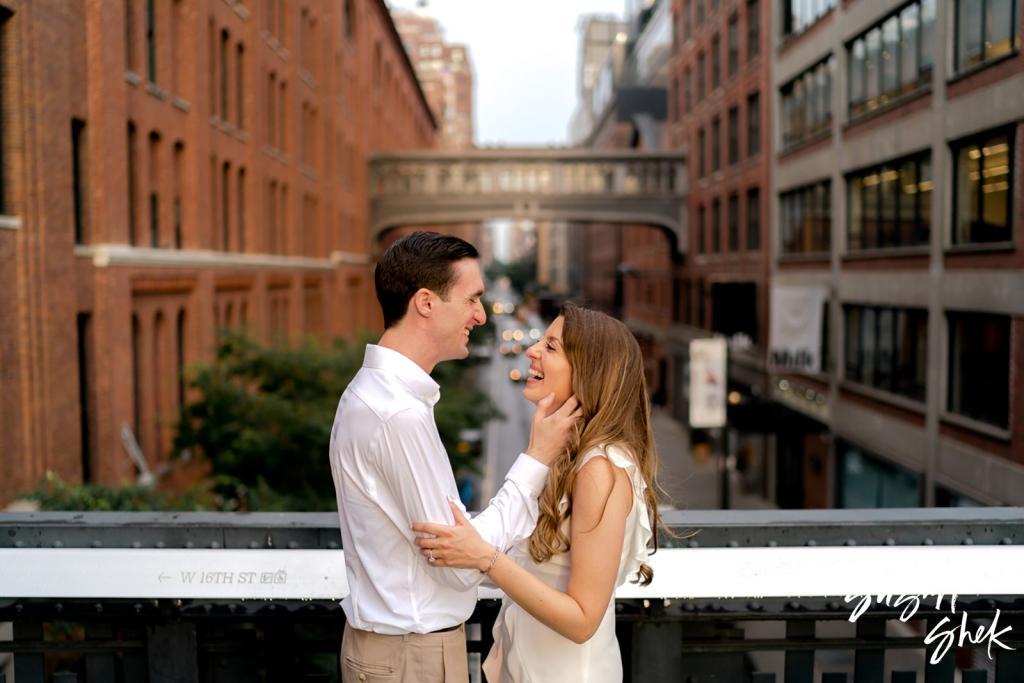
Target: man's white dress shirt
x=390, y=469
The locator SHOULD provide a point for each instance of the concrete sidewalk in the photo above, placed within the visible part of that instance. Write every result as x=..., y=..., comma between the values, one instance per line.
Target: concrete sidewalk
x=687, y=484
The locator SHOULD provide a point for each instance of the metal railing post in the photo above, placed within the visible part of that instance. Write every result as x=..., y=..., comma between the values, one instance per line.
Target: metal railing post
x=1010, y=664
x=799, y=664
x=943, y=671
x=100, y=667
x=28, y=666
x=172, y=652
x=869, y=662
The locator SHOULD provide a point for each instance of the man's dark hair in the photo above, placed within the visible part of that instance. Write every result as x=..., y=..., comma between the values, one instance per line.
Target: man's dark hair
x=419, y=260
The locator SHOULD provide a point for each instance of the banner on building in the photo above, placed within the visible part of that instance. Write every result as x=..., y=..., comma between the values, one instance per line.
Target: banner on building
x=794, y=343
x=707, y=382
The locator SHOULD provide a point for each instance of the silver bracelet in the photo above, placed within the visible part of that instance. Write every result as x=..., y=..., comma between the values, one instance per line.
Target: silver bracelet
x=494, y=558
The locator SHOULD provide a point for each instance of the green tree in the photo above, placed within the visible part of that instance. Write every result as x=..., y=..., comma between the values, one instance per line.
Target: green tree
x=263, y=419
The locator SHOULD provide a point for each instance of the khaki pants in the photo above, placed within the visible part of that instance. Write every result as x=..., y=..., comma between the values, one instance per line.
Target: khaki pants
x=429, y=657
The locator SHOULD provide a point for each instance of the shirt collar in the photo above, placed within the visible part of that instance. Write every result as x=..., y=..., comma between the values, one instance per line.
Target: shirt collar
x=402, y=367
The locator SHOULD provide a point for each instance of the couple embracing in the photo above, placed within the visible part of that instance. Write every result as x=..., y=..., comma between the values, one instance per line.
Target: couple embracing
x=575, y=517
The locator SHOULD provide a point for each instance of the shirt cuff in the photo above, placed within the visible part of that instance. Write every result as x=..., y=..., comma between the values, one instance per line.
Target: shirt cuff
x=528, y=473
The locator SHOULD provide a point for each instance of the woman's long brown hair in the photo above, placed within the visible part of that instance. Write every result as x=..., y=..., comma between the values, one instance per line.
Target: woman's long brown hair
x=608, y=381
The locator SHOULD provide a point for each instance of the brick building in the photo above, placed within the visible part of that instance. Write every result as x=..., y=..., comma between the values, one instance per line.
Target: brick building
x=718, y=111
x=168, y=168
x=627, y=268
x=445, y=72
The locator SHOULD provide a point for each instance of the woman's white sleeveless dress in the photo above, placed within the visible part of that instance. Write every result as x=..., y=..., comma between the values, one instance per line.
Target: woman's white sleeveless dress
x=525, y=650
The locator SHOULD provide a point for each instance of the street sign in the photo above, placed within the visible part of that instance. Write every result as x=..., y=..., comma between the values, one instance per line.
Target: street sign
x=707, y=382
x=797, y=571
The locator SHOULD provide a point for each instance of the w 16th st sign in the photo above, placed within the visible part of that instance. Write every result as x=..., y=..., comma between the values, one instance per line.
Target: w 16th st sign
x=794, y=343
x=678, y=573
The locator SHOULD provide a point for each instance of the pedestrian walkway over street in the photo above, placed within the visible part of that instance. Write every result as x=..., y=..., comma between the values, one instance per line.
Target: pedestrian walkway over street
x=619, y=186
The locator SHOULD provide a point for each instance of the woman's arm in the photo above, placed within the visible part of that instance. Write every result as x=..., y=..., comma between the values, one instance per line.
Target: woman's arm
x=601, y=501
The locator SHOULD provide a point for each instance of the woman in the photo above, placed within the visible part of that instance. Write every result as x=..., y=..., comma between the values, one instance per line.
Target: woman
x=597, y=517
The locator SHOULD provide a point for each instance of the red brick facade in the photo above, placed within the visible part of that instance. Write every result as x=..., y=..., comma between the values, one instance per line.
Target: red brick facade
x=715, y=258
x=218, y=153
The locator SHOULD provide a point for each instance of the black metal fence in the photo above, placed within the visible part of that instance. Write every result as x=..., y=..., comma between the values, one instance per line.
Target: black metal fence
x=698, y=641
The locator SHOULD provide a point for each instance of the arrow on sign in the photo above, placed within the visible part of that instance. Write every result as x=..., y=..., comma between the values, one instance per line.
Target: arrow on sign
x=163, y=577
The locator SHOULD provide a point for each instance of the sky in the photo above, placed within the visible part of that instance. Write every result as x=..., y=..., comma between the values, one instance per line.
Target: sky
x=524, y=62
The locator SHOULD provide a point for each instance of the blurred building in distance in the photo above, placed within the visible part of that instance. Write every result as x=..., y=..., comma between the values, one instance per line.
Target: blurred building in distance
x=600, y=37
x=898, y=191
x=445, y=72
x=627, y=269
x=171, y=170
x=719, y=111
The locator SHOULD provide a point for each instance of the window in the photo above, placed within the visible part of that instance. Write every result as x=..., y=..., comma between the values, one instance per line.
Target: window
x=177, y=45
x=179, y=348
x=716, y=144
x=734, y=135
x=225, y=206
x=800, y=15
x=136, y=374
x=886, y=348
x=282, y=111
x=716, y=225
x=686, y=21
x=753, y=28
x=753, y=124
x=240, y=87
x=753, y=219
x=78, y=179
x=716, y=61
x=807, y=104
x=865, y=480
x=700, y=13
x=155, y=164
x=151, y=41
x=702, y=226
x=85, y=389
x=179, y=166
x=700, y=76
x=734, y=44
x=271, y=218
x=985, y=30
x=271, y=108
x=734, y=222
x=806, y=219
x=984, y=174
x=687, y=90
x=129, y=35
x=133, y=200
x=890, y=205
x=350, y=20
x=892, y=58
x=734, y=309
x=701, y=153
x=223, y=69
x=240, y=196
x=979, y=355
x=211, y=56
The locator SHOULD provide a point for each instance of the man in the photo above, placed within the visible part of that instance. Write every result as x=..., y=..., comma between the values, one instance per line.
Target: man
x=404, y=617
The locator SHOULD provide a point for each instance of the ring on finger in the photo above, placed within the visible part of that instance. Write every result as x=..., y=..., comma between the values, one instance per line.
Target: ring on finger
x=430, y=556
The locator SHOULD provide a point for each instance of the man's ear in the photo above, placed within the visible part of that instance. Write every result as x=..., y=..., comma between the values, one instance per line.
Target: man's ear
x=423, y=302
